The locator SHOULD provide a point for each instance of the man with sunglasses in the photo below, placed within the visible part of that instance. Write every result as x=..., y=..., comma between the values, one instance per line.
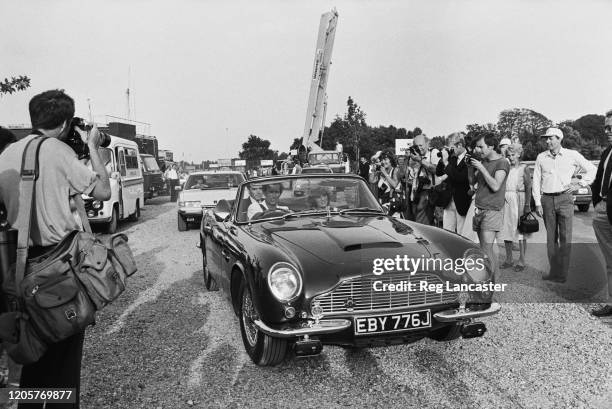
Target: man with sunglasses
x=602, y=221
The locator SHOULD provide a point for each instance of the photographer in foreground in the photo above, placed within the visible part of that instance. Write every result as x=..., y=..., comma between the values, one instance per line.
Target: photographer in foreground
x=62, y=178
x=490, y=175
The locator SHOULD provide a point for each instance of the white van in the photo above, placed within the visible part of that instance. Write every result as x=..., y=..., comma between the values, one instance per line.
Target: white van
x=122, y=162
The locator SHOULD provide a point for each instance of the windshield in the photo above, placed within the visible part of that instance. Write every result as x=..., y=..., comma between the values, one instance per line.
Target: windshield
x=324, y=158
x=213, y=181
x=150, y=164
x=274, y=198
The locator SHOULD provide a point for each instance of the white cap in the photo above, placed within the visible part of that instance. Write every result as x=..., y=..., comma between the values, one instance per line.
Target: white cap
x=553, y=132
x=505, y=141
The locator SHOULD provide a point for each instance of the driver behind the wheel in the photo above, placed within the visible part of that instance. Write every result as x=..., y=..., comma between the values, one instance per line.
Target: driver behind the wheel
x=199, y=184
x=271, y=194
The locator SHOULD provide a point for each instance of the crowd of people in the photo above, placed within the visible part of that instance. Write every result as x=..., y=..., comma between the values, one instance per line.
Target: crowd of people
x=478, y=186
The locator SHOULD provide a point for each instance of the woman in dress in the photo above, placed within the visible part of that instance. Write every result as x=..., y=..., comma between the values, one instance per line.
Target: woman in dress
x=518, y=199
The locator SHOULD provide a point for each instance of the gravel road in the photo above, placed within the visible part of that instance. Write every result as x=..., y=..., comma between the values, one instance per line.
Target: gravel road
x=168, y=343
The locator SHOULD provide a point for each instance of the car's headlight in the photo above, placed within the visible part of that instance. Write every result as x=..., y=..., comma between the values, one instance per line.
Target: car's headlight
x=476, y=266
x=97, y=204
x=583, y=191
x=284, y=281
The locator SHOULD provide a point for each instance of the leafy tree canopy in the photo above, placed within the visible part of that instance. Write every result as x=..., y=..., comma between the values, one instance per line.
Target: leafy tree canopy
x=14, y=84
x=256, y=148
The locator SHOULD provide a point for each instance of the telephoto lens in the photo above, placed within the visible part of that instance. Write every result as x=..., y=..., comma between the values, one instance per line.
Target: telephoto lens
x=75, y=141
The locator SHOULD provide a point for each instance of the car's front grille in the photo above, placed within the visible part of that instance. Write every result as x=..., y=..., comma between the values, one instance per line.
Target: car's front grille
x=358, y=295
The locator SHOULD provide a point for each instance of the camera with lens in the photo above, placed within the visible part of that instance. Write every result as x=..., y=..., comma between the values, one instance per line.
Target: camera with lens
x=74, y=140
x=450, y=152
x=414, y=151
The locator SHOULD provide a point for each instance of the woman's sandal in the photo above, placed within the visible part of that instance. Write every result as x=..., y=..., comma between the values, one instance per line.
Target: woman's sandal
x=518, y=268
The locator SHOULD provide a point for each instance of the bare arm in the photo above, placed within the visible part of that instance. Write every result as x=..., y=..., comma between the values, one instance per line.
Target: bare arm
x=101, y=190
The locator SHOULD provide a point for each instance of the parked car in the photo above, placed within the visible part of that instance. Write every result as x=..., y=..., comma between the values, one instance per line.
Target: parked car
x=304, y=274
x=203, y=190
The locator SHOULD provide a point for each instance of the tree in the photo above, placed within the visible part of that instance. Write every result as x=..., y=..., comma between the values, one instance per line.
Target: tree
x=297, y=142
x=591, y=128
x=14, y=84
x=521, y=121
x=256, y=148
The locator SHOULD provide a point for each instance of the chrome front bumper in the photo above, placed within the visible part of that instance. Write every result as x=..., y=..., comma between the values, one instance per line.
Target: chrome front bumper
x=323, y=327
x=458, y=315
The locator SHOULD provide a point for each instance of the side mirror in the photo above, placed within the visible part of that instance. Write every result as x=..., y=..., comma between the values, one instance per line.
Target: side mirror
x=222, y=211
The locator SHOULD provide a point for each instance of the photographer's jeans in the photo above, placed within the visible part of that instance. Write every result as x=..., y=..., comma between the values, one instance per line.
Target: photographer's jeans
x=558, y=214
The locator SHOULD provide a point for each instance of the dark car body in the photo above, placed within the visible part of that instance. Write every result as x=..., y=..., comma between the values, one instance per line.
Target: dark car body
x=332, y=251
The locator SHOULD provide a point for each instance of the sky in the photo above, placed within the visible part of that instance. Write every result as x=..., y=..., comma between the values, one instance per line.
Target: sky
x=204, y=75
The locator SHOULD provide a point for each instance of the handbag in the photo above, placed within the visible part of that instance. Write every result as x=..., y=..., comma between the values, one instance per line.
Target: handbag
x=56, y=295
x=528, y=223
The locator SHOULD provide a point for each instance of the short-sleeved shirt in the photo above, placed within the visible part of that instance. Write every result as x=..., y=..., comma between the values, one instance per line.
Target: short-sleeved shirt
x=61, y=176
x=485, y=197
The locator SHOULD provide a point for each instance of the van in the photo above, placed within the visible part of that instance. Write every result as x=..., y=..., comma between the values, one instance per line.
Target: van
x=153, y=181
x=123, y=164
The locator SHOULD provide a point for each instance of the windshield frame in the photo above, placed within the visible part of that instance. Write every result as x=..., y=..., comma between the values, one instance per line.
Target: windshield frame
x=379, y=210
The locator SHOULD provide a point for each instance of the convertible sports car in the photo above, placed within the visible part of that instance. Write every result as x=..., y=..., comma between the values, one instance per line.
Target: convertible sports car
x=328, y=266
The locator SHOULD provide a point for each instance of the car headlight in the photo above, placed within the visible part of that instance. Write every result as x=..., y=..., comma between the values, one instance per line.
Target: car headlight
x=583, y=191
x=476, y=266
x=284, y=281
x=96, y=204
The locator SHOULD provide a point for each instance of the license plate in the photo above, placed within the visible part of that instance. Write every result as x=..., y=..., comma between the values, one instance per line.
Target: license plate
x=191, y=219
x=377, y=324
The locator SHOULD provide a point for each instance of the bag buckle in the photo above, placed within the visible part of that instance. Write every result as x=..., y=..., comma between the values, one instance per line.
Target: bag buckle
x=70, y=314
x=28, y=174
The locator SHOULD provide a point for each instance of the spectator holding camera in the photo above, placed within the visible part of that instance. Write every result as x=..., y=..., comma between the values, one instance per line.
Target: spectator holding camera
x=456, y=175
x=490, y=175
x=424, y=178
x=62, y=179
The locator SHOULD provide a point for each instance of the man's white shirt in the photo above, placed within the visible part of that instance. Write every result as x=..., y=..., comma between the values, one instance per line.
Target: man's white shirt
x=553, y=174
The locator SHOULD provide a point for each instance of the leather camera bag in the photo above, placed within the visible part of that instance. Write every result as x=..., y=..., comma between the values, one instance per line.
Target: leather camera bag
x=56, y=295
x=528, y=223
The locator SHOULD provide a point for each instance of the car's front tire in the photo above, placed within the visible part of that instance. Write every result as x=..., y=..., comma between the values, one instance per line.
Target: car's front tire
x=182, y=224
x=263, y=349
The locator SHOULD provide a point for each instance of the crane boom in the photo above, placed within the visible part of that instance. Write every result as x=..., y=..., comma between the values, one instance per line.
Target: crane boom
x=317, y=100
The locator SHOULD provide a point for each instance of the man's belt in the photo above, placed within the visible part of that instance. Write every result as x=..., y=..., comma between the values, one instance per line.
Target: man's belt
x=553, y=194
